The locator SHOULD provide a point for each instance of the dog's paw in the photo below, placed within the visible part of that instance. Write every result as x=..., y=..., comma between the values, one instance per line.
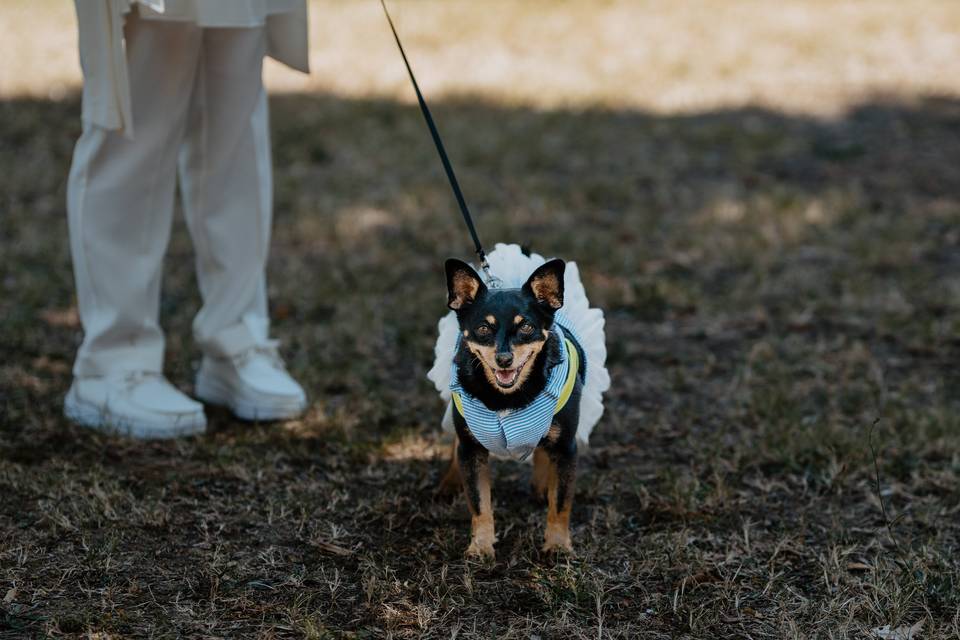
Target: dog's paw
x=557, y=543
x=480, y=550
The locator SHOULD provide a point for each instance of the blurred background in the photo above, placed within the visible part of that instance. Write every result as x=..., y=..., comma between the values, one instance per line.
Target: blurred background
x=806, y=56
x=763, y=197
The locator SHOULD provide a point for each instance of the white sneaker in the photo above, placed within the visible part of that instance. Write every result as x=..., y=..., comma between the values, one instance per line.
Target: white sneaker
x=253, y=384
x=138, y=404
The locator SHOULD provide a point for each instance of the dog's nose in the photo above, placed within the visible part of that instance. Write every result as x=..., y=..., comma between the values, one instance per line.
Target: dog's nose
x=504, y=359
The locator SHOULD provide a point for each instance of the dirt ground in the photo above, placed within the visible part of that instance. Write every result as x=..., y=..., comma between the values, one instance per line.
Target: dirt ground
x=763, y=197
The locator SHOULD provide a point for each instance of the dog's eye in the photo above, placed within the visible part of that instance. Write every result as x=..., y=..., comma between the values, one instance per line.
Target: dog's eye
x=526, y=328
x=483, y=331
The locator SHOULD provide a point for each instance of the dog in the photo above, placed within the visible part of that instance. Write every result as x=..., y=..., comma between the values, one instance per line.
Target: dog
x=523, y=376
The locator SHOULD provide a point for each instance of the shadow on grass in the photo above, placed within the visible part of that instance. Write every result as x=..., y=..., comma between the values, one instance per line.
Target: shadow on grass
x=772, y=282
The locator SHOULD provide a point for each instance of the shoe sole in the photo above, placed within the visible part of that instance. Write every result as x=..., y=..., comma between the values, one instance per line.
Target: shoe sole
x=94, y=417
x=213, y=391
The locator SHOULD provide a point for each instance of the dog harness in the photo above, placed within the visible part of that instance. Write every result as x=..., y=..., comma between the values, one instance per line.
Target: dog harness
x=515, y=433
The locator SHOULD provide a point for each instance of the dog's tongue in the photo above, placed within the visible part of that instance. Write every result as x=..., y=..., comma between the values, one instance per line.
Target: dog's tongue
x=506, y=376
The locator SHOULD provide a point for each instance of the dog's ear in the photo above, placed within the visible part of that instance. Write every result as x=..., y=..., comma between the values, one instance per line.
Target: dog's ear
x=463, y=284
x=546, y=284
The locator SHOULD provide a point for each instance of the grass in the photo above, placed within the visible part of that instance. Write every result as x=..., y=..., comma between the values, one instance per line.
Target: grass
x=779, y=454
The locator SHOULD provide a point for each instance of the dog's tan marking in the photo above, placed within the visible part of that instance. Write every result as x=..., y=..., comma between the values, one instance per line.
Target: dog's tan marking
x=546, y=288
x=517, y=319
x=486, y=353
x=541, y=464
x=464, y=290
x=557, y=533
x=553, y=433
x=482, y=535
x=490, y=320
x=525, y=353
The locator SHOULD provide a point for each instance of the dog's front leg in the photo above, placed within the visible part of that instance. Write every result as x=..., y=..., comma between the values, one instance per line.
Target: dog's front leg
x=475, y=471
x=561, y=476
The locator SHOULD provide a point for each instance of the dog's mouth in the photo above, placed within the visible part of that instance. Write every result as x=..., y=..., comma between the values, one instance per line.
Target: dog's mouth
x=506, y=378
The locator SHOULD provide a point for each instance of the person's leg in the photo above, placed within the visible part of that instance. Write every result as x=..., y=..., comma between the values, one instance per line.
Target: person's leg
x=120, y=203
x=226, y=181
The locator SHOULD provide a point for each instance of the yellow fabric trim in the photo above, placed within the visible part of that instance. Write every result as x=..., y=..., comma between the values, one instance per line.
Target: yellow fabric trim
x=571, y=377
x=565, y=392
x=458, y=402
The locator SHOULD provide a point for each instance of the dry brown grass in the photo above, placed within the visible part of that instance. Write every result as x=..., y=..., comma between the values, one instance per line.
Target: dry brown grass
x=765, y=198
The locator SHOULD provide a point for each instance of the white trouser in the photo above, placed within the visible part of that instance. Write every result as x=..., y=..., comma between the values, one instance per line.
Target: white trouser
x=200, y=110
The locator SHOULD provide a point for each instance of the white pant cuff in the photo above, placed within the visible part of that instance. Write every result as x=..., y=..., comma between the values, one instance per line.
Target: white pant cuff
x=229, y=342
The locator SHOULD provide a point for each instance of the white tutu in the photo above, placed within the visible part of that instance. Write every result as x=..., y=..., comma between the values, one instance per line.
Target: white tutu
x=508, y=263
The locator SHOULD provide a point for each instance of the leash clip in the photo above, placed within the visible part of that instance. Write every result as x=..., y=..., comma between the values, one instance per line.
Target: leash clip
x=493, y=281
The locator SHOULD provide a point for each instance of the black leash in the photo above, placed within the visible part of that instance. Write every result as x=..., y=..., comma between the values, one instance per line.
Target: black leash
x=447, y=167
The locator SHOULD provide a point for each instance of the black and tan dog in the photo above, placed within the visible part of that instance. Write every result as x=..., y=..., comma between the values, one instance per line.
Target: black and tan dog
x=508, y=347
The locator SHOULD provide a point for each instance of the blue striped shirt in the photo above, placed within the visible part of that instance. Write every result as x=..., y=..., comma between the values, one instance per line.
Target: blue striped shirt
x=515, y=433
